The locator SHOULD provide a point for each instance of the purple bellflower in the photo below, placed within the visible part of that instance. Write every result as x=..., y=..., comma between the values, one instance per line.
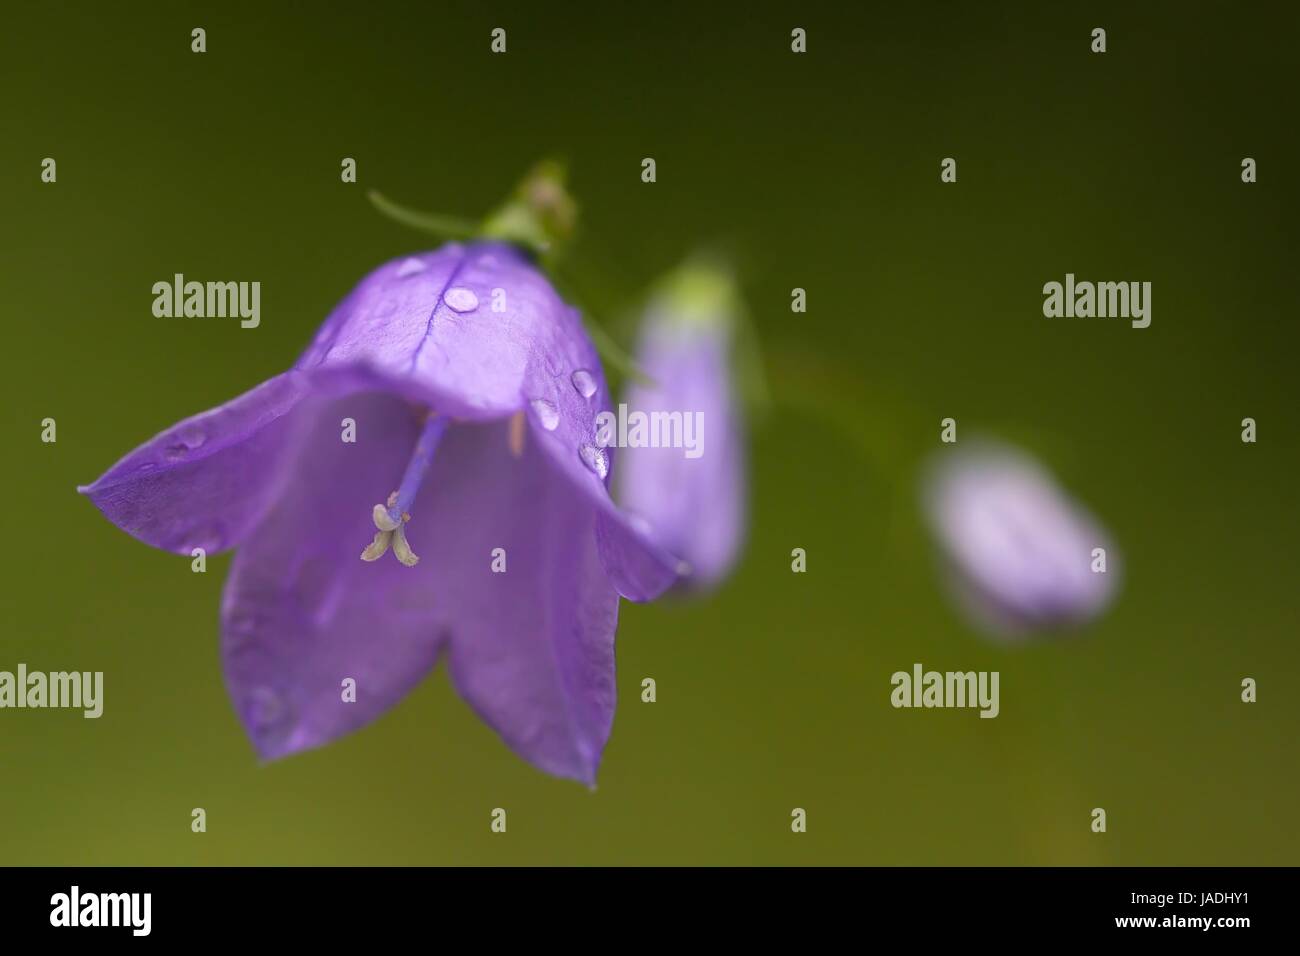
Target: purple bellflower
x=1023, y=557
x=689, y=496
x=473, y=389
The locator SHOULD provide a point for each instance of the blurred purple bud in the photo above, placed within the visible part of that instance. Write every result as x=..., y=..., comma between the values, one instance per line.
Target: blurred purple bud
x=690, y=497
x=1023, y=557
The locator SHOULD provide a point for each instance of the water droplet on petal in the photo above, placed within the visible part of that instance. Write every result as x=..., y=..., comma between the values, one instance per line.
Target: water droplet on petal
x=640, y=523
x=546, y=413
x=210, y=537
x=409, y=268
x=584, y=382
x=596, y=459
x=184, y=442
x=460, y=299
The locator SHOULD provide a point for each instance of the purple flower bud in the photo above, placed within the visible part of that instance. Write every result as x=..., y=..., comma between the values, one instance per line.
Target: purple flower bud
x=690, y=495
x=473, y=462
x=1023, y=557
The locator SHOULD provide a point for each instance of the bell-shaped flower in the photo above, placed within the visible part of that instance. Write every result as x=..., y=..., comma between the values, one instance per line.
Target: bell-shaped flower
x=423, y=483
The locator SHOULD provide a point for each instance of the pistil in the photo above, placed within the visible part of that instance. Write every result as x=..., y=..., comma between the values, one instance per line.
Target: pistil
x=391, y=517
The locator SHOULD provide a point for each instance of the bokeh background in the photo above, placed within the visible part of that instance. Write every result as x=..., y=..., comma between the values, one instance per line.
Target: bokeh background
x=819, y=171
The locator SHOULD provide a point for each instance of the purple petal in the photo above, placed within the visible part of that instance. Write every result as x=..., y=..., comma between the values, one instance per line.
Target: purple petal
x=301, y=612
x=464, y=326
x=638, y=567
x=206, y=481
x=1020, y=550
x=564, y=402
x=531, y=649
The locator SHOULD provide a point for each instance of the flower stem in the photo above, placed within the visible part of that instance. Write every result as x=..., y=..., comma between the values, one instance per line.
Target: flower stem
x=445, y=227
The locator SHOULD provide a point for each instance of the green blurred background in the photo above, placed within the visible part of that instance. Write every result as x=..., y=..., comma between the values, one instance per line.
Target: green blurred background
x=819, y=171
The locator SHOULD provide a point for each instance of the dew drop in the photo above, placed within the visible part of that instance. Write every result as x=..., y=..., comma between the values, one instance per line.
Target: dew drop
x=185, y=441
x=584, y=382
x=210, y=537
x=596, y=459
x=640, y=523
x=546, y=413
x=409, y=268
x=460, y=299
